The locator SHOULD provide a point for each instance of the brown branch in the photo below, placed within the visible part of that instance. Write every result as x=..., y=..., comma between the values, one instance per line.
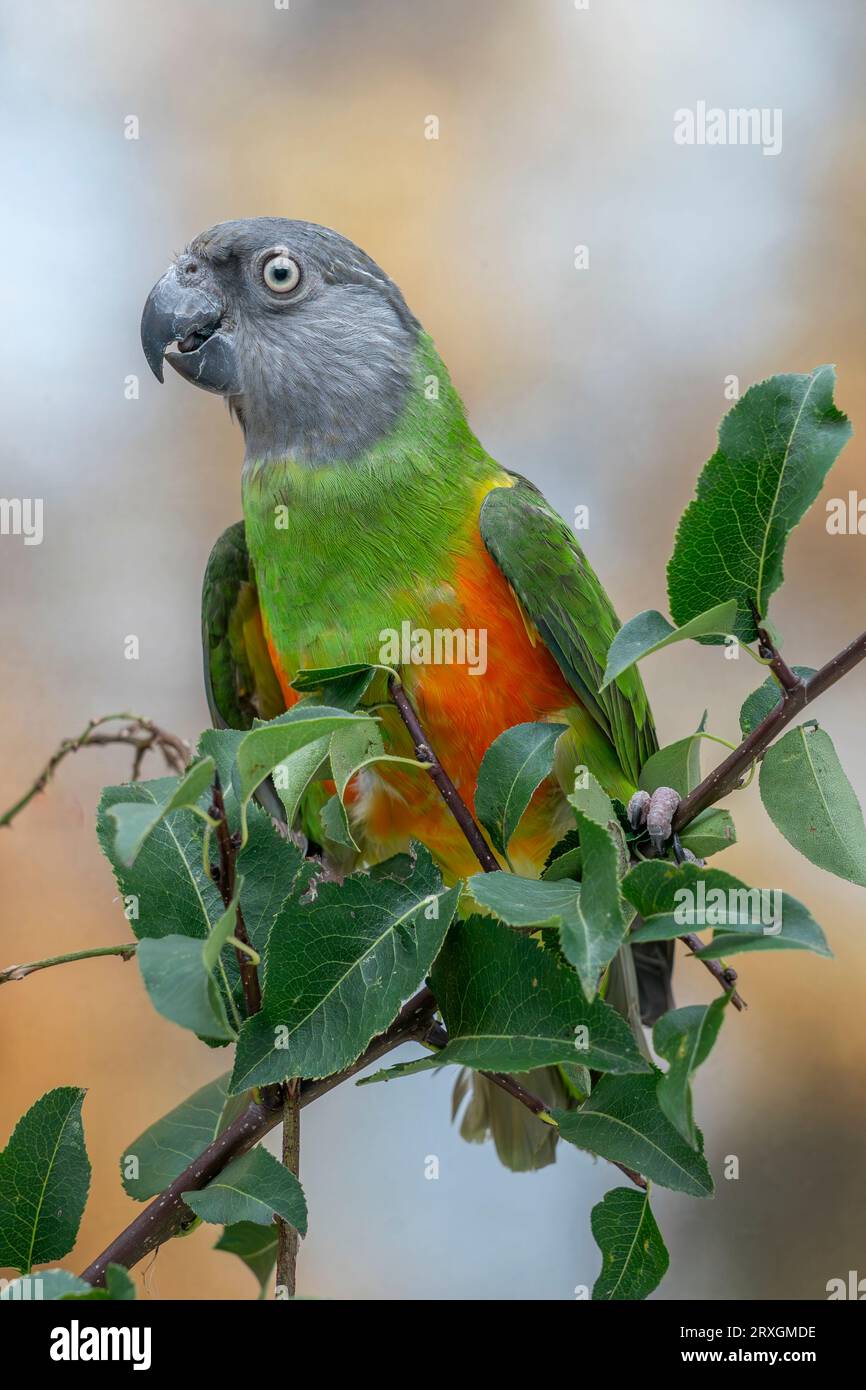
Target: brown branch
x=725, y=974
x=287, y=1235
x=140, y=734
x=449, y=793
x=225, y=878
x=167, y=1214
x=795, y=695
x=794, y=699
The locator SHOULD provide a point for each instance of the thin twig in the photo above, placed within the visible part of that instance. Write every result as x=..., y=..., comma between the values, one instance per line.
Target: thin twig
x=793, y=701
x=19, y=972
x=225, y=878
x=725, y=974
x=140, y=734
x=449, y=793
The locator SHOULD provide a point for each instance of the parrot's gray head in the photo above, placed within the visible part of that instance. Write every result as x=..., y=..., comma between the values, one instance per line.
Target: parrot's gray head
x=311, y=344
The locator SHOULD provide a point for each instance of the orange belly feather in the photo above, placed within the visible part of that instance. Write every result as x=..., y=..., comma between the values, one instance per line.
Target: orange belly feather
x=462, y=713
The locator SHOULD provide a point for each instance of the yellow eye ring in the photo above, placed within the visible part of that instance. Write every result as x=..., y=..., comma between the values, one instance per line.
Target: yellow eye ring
x=281, y=274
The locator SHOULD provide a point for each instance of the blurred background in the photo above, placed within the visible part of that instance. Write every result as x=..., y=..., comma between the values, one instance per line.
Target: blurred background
x=604, y=384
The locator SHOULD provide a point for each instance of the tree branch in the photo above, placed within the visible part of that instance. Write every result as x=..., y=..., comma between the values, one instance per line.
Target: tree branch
x=449, y=793
x=165, y=1216
x=287, y=1236
x=225, y=878
x=142, y=735
x=18, y=972
x=796, y=695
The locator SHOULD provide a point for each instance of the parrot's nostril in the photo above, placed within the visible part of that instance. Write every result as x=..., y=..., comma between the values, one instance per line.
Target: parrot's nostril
x=194, y=340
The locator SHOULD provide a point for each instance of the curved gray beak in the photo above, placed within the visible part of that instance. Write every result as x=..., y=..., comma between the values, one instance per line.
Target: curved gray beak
x=187, y=315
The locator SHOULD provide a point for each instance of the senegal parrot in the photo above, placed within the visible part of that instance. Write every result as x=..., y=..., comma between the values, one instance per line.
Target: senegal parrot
x=371, y=510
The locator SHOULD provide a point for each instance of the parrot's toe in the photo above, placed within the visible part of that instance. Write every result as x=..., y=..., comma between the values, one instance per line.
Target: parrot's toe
x=660, y=815
x=637, y=810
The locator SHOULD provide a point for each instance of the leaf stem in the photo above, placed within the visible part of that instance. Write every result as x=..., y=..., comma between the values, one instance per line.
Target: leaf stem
x=18, y=972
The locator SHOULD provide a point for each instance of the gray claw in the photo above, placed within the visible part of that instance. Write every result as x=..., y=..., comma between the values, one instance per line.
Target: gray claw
x=637, y=810
x=659, y=820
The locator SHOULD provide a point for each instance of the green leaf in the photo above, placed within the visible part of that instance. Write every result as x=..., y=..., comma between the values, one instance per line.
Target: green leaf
x=222, y=746
x=565, y=859
x=709, y=833
x=294, y=774
x=676, y=898
x=650, y=631
x=166, y=892
x=515, y=764
x=589, y=799
x=44, y=1179
x=256, y=1245
x=677, y=766
x=810, y=800
x=633, y=1256
x=343, y=686
x=49, y=1285
x=182, y=988
x=118, y=1285
x=353, y=748
x=763, y=701
x=622, y=1120
x=335, y=824
x=685, y=1037
x=776, y=447
x=165, y=1148
x=434, y=1062
x=256, y=1188
x=266, y=745
x=508, y=1006
x=136, y=820
x=591, y=928
x=273, y=869
x=338, y=968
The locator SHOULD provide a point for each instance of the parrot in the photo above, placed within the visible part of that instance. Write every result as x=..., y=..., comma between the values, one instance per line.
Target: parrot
x=370, y=508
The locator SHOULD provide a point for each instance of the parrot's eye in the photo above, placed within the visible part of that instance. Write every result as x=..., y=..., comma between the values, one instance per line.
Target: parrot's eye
x=281, y=273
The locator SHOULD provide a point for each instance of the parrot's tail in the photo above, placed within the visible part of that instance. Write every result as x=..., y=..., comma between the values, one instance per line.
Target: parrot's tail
x=654, y=966
x=523, y=1142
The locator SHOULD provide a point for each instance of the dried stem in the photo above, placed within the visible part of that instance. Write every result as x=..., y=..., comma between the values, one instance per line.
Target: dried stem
x=140, y=734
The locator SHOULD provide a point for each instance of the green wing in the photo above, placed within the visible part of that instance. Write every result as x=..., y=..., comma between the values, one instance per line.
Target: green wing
x=239, y=678
x=566, y=602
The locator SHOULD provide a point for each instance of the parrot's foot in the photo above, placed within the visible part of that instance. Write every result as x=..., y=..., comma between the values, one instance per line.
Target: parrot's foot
x=655, y=814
